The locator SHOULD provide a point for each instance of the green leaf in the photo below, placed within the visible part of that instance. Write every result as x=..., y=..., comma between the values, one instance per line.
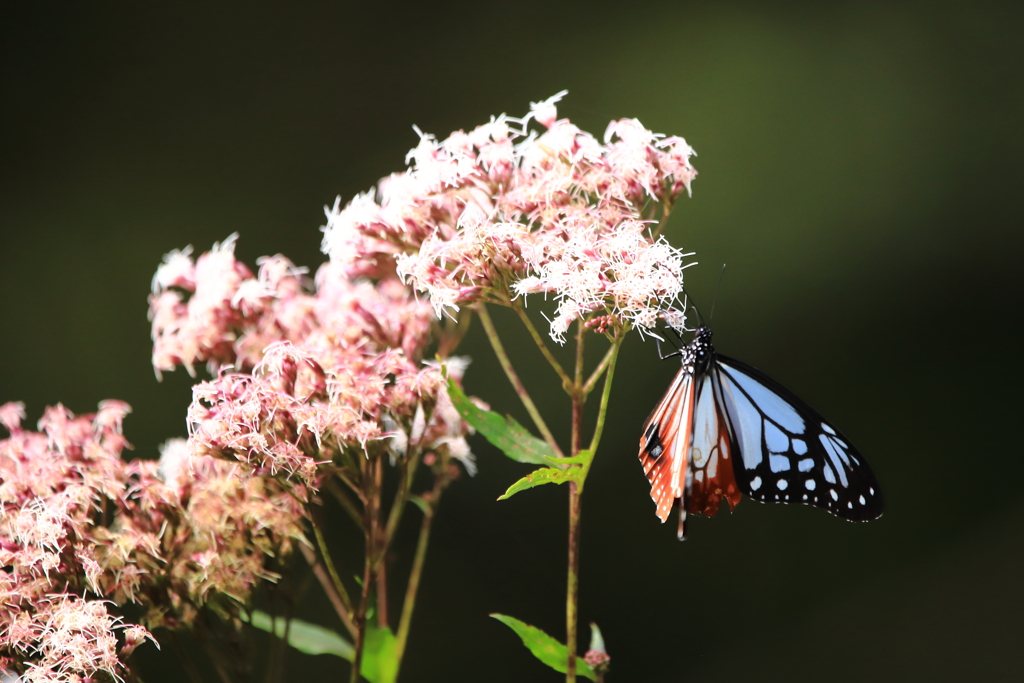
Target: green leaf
x=512, y=438
x=379, y=664
x=544, y=647
x=305, y=637
x=547, y=475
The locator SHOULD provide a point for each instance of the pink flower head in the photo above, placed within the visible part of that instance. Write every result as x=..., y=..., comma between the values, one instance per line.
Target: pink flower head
x=11, y=415
x=501, y=212
x=58, y=548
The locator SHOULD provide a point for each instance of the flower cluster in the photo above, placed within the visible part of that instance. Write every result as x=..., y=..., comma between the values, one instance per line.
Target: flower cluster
x=54, y=484
x=304, y=370
x=220, y=531
x=83, y=531
x=502, y=211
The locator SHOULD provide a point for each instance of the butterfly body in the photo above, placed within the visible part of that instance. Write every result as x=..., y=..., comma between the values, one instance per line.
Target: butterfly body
x=724, y=430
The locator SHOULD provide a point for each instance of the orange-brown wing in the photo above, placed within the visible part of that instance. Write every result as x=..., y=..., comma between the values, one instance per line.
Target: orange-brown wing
x=665, y=442
x=710, y=479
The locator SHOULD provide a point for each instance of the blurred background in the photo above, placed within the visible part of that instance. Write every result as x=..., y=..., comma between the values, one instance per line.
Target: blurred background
x=860, y=174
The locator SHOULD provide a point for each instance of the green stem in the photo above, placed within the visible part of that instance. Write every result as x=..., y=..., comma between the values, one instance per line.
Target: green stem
x=364, y=601
x=566, y=381
x=325, y=557
x=345, y=501
x=371, y=493
x=665, y=212
x=401, y=498
x=598, y=371
x=506, y=364
x=417, y=571
x=603, y=410
x=345, y=614
x=580, y=339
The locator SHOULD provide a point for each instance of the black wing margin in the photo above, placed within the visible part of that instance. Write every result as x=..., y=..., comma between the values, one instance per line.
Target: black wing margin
x=788, y=453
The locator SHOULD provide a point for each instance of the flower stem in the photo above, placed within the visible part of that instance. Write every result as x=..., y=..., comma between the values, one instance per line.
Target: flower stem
x=518, y=308
x=343, y=499
x=517, y=384
x=339, y=587
x=599, y=370
x=572, y=583
x=572, y=579
x=344, y=613
x=417, y=570
x=666, y=210
x=371, y=492
x=603, y=410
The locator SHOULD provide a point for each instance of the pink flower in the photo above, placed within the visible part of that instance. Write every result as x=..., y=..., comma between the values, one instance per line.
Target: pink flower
x=499, y=212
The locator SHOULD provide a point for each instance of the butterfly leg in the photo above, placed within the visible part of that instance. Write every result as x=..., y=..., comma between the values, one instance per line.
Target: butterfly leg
x=663, y=356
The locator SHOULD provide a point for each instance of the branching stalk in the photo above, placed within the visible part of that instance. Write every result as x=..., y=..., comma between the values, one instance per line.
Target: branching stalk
x=598, y=371
x=440, y=482
x=371, y=493
x=665, y=212
x=328, y=585
x=345, y=501
x=325, y=557
x=506, y=364
x=562, y=374
x=603, y=410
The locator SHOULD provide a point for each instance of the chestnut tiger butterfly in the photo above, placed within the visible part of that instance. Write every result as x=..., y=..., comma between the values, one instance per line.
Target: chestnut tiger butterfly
x=725, y=429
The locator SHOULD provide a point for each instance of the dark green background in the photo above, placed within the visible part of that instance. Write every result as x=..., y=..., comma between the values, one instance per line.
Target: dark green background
x=860, y=172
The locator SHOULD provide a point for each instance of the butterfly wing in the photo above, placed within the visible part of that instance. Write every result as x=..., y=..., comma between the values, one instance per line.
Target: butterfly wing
x=665, y=441
x=788, y=453
x=711, y=478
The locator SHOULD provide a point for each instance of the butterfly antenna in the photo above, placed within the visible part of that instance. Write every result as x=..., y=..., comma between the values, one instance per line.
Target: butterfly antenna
x=718, y=287
x=689, y=304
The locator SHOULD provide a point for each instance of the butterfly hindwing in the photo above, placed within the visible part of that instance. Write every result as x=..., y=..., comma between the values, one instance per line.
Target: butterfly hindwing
x=711, y=477
x=788, y=452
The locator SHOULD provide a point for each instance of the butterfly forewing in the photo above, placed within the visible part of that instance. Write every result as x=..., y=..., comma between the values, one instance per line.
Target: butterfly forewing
x=789, y=453
x=665, y=441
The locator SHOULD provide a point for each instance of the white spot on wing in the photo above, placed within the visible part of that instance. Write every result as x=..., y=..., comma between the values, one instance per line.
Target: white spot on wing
x=830, y=476
x=828, y=429
x=778, y=463
x=810, y=484
x=799, y=446
x=832, y=492
x=805, y=465
x=782, y=484
x=755, y=483
x=862, y=501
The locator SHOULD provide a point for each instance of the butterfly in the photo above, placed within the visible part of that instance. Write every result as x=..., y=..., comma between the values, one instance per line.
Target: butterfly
x=724, y=430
